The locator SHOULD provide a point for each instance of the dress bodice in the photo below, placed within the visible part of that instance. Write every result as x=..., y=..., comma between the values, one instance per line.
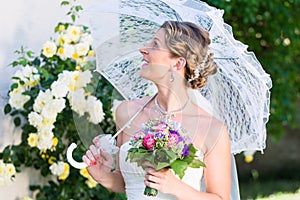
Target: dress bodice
x=134, y=177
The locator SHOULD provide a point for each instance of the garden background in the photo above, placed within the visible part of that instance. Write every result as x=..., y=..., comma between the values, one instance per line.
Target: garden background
x=271, y=30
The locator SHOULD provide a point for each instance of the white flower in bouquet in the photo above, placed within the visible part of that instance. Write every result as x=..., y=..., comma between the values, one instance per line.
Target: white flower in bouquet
x=77, y=101
x=94, y=108
x=49, y=49
x=42, y=99
x=59, y=89
x=17, y=99
x=35, y=119
x=66, y=51
x=82, y=48
x=73, y=34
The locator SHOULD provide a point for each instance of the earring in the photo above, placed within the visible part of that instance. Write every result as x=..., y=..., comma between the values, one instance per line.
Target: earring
x=172, y=77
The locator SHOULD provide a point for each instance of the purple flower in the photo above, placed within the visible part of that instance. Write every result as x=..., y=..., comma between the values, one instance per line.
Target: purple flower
x=160, y=135
x=185, y=151
x=149, y=141
x=174, y=132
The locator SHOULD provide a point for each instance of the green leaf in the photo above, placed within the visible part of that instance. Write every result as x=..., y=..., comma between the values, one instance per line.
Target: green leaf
x=197, y=164
x=7, y=108
x=161, y=165
x=17, y=121
x=179, y=167
x=64, y=3
x=14, y=86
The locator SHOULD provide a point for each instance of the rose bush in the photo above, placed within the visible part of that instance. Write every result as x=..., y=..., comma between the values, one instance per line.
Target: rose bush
x=50, y=94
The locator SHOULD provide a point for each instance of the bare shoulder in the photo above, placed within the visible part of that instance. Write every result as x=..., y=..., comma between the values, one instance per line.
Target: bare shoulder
x=127, y=109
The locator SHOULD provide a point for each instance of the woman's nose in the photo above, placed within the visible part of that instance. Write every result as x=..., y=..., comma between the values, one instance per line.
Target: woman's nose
x=143, y=50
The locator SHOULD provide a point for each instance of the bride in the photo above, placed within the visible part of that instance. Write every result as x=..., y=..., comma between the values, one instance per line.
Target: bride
x=177, y=60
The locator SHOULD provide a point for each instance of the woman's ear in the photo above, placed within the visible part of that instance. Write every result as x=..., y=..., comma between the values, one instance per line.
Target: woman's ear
x=180, y=64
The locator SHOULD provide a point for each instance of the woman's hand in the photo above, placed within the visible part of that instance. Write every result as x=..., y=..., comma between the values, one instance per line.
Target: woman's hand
x=99, y=163
x=163, y=180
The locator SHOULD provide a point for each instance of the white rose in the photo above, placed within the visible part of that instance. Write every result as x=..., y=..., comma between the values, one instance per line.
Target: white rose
x=58, y=104
x=35, y=119
x=87, y=38
x=77, y=101
x=94, y=108
x=73, y=33
x=57, y=168
x=45, y=143
x=82, y=48
x=10, y=169
x=59, y=89
x=46, y=130
x=49, y=49
x=82, y=78
x=49, y=112
x=65, y=77
x=66, y=51
x=17, y=100
x=41, y=100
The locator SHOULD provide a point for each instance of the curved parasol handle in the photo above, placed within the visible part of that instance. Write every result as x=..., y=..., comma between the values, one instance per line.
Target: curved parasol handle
x=74, y=163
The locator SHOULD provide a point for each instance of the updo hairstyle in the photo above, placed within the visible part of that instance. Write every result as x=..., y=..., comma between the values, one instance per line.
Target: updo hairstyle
x=187, y=40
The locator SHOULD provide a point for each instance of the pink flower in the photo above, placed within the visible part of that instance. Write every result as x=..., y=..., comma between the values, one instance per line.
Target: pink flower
x=160, y=126
x=149, y=141
x=138, y=135
x=173, y=139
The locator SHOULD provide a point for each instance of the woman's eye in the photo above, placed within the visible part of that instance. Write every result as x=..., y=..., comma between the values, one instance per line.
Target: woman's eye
x=155, y=44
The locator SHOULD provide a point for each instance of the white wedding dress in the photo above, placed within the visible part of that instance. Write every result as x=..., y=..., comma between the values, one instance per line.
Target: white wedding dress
x=134, y=177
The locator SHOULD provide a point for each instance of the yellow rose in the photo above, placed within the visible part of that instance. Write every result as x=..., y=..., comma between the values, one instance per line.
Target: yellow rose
x=91, y=53
x=84, y=173
x=33, y=139
x=91, y=183
x=65, y=173
x=55, y=141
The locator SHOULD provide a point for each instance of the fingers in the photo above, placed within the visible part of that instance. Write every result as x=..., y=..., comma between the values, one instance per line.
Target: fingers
x=106, y=156
x=91, y=156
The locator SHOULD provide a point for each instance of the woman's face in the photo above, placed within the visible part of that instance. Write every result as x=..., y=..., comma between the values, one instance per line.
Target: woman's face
x=157, y=57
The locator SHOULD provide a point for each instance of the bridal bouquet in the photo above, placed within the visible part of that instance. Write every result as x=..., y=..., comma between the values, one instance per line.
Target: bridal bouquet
x=164, y=143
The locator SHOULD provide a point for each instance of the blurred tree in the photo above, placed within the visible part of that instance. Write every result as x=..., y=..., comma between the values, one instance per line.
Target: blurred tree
x=272, y=31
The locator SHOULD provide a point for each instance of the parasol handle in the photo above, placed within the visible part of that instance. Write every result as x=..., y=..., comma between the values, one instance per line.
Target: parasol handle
x=74, y=163
x=132, y=118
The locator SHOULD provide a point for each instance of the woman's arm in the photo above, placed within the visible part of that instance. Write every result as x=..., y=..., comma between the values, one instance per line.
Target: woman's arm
x=217, y=175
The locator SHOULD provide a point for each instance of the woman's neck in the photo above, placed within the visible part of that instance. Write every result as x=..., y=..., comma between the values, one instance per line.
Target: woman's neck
x=172, y=99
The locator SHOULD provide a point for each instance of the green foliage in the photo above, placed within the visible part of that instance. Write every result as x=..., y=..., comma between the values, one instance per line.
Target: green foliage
x=271, y=29
x=66, y=125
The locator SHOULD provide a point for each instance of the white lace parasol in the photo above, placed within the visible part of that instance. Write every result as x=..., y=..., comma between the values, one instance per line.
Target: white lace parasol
x=239, y=92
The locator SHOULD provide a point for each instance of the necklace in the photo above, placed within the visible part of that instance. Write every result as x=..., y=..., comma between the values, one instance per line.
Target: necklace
x=170, y=113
